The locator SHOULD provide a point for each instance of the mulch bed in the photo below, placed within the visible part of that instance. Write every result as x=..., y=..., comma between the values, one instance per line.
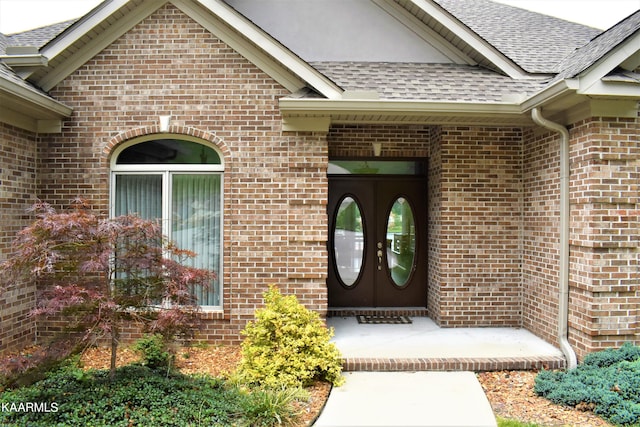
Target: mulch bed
x=512, y=397
x=510, y=392
x=217, y=361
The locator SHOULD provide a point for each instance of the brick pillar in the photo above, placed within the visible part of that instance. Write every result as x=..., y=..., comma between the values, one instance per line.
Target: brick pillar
x=605, y=234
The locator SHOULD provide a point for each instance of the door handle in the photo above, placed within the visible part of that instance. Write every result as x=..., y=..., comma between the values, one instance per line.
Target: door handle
x=379, y=253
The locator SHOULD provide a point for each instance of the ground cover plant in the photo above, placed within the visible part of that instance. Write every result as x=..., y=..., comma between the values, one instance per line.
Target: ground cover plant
x=607, y=382
x=140, y=396
x=100, y=273
x=514, y=423
x=288, y=345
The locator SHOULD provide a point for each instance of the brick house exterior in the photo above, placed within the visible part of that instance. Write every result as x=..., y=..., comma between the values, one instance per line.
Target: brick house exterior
x=277, y=118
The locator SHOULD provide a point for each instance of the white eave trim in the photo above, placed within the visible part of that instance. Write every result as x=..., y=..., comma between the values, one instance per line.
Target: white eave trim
x=367, y=106
x=560, y=89
x=627, y=52
x=472, y=39
x=24, y=60
x=86, y=24
x=39, y=101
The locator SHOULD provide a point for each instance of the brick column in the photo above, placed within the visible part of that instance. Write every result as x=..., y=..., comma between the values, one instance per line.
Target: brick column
x=605, y=233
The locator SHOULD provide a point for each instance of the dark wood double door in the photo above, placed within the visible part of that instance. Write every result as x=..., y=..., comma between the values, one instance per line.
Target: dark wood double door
x=377, y=242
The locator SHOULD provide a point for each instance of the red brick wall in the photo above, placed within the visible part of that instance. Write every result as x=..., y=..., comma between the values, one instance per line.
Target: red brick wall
x=480, y=223
x=493, y=192
x=17, y=189
x=275, y=183
x=604, y=269
x=435, y=209
x=605, y=233
x=540, y=276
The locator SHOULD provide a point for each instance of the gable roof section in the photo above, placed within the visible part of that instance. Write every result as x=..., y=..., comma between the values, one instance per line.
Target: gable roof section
x=616, y=48
x=461, y=37
x=96, y=30
x=494, y=80
x=536, y=42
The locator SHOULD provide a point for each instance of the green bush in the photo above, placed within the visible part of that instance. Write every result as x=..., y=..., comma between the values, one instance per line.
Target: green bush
x=155, y=352
x=609, y=379
x=139, y=396
x=288, y=346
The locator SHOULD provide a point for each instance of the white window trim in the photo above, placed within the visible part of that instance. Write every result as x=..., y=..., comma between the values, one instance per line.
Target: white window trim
x=167, y=170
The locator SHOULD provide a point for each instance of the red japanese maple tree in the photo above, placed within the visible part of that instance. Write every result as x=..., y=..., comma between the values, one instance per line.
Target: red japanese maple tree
x=100, y=273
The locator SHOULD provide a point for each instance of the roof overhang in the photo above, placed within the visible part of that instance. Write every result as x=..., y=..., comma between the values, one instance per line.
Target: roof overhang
x=30, y=110
x=593, y=81
x=319, y=114
x=561, y=101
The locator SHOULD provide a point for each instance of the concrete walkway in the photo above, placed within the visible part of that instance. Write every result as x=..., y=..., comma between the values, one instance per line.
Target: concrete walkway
x=422, y=397
x=407, y=399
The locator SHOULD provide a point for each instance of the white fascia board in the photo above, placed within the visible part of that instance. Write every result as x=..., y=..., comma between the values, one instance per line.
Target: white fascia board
x=35, y=101
x=613, y=89
x=557, y=90
x=392, y=107
x=87, y=23
x=621, y=54
x=24, y=60
x=80, y=29
x=473, y=39
x=242, y=26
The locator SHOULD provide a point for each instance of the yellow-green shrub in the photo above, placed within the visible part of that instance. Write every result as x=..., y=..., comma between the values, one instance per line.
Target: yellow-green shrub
x=288, y=345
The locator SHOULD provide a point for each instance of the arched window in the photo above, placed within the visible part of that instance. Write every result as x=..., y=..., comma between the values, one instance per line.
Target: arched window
x=177, y=180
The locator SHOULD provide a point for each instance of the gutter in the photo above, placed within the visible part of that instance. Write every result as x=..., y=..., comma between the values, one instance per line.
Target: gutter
x=379, y=106
x=563, y=297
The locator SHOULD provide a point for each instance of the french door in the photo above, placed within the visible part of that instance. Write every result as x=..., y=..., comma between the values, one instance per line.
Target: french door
x=377, y=244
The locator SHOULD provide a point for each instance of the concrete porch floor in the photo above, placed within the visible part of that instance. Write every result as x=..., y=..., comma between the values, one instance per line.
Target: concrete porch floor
x=423, y=346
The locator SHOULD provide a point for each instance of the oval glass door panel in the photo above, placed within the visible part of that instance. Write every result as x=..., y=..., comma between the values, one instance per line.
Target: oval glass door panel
x=401, y=241
x=348, y=241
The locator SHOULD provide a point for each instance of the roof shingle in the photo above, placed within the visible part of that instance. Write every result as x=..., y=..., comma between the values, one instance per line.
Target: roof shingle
x=427, y=82
x=534, y=41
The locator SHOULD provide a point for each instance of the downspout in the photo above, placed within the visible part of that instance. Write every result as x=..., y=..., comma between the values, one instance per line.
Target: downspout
x=563, y=297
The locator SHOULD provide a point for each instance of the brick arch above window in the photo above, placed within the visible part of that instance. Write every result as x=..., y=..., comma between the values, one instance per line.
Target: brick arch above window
x=174, y=131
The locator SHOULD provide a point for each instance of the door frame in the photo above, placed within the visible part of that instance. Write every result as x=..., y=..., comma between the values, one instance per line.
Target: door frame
x=334, y=281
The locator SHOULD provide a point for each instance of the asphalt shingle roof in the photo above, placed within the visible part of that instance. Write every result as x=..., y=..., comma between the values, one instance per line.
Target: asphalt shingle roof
x=536, y=42
x=431, y=82
x=37, y=37
x=587, y=55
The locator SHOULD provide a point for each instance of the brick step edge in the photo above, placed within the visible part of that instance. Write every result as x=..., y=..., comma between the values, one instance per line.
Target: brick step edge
x=381, y=364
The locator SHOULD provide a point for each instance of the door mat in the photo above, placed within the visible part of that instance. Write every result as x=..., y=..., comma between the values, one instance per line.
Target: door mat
x=382, y=320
